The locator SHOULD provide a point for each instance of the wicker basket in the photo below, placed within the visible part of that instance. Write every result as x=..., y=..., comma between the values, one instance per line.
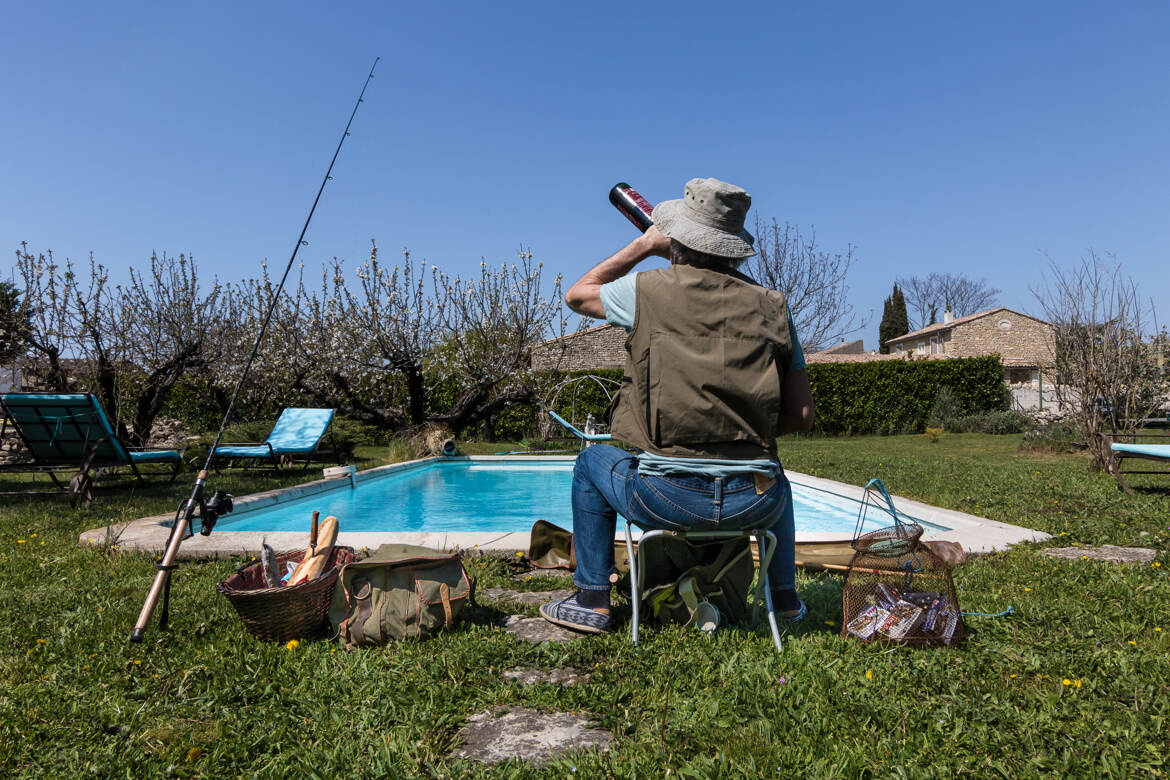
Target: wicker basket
x=291, y=612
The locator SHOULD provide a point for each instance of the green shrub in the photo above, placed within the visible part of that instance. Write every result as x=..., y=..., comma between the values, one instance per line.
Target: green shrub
x=1001, y=422
x=897, y=396
x=945, y=411
x=1051, y=438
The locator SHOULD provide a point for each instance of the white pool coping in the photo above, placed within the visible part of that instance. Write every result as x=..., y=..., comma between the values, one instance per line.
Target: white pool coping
x=150, y=534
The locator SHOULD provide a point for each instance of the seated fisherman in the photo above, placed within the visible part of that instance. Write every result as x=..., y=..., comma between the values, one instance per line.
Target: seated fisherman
x=714, y=373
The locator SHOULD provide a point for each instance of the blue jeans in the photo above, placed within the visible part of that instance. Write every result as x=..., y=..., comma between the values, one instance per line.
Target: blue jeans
x=606, y=481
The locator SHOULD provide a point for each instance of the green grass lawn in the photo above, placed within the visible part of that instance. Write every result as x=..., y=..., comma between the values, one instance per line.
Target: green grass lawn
x=1075, y=682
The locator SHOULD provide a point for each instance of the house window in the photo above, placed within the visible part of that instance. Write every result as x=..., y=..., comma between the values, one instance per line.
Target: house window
x=921, y=348
x=942, y=344
x=898, y=350
x=933, y=345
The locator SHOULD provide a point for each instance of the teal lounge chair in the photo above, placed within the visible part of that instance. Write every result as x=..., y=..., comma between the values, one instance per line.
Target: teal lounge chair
x=70, y=432
x=296, y=435
x=1119, y=451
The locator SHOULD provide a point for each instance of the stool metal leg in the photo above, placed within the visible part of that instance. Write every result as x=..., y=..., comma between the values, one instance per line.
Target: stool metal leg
x=765, y=559
x=635, y=585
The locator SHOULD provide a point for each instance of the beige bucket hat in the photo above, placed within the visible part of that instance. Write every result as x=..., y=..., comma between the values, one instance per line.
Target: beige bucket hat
x=708, y=218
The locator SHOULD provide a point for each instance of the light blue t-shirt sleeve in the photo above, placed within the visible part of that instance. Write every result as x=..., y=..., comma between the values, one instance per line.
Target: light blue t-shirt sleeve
x=619, y=298
x=797, y=363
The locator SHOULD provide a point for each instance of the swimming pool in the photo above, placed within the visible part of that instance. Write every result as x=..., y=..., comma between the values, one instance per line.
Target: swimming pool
x=498, y=496
x=394, y=504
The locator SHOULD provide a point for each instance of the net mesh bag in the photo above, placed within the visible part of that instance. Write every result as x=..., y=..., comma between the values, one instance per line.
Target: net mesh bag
x=896, y=589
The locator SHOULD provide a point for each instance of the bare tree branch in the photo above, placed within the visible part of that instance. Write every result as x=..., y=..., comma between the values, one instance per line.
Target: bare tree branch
x=928, y=296
x=813, y=281
x=1108, y=379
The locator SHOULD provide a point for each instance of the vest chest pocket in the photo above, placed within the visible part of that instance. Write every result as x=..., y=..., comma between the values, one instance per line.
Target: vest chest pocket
x=710, y=389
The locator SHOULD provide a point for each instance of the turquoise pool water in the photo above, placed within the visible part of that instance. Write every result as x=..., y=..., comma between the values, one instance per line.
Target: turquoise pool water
x=496, y=497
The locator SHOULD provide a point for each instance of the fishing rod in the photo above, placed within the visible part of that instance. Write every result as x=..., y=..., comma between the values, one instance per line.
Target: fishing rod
x=221, y=502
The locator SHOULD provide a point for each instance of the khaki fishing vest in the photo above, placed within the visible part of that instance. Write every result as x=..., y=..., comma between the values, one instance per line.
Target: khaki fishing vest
x=705, y=361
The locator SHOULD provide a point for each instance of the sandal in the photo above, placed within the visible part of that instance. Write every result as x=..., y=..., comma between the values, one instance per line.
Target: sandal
x=795, y=615
x=569, y=614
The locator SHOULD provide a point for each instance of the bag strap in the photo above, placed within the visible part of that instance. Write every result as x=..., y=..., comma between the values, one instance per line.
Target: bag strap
x=445, y=597
x=686, y=589
x=703, y=614
x=727, y=559
x=365, y=607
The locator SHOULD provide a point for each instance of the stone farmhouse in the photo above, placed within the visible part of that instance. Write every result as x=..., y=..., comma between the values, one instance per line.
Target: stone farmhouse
x=1024, y=344
x=603, y=346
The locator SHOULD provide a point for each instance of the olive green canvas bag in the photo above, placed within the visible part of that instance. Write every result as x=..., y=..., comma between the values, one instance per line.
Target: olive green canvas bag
x=684, y=580
x=400, y=592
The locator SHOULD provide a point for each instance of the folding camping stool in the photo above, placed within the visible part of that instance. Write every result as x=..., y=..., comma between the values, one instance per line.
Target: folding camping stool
x=766, y=548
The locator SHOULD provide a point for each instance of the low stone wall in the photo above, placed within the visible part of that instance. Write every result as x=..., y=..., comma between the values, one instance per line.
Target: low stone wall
x=11, y=448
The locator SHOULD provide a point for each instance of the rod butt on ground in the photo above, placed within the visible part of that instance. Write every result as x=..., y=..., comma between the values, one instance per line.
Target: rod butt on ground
x=138, y=635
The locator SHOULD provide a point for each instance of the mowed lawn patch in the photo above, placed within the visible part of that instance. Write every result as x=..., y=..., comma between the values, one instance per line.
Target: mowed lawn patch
x=1076, y=681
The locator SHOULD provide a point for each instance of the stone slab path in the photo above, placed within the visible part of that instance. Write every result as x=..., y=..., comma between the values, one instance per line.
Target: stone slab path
x=565, y=676
x=537, y=630
x=528, y=735
x=1106, y=552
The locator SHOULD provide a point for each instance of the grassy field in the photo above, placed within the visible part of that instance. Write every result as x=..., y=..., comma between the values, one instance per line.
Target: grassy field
x=1075, y=682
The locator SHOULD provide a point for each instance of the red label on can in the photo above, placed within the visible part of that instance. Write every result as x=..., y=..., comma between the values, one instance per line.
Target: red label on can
x=639, y=201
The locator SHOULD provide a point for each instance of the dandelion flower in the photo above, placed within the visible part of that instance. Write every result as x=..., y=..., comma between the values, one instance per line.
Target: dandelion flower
x=1133, y=643
x=1012, y=676
x=42, y=641
x=292, y=645
x=1156, y=564
x=1027, y=590
x=138, y=662
x=869, y=674
x=1077, y=683
x=830, y=623
x=1157, y=628
x=20, y=541
x=32, y=536
x=1066, y=681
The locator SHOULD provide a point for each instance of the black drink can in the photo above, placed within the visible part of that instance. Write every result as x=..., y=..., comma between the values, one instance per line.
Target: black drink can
x=636, y=208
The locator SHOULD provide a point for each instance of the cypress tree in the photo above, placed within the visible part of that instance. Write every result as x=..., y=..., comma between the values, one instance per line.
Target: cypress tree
x=895, y=321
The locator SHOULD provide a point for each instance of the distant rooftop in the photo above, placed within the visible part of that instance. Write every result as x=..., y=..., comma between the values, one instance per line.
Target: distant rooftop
x=941, y=326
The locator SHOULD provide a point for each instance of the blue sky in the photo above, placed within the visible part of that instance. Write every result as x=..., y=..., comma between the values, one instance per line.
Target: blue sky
x=968, y=138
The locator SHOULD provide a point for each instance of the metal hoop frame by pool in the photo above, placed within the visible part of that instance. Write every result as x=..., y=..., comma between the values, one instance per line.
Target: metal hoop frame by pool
x=575, y=382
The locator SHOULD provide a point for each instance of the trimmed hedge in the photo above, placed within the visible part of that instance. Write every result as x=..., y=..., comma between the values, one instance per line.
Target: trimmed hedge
x=883, y=397
x=896, y=396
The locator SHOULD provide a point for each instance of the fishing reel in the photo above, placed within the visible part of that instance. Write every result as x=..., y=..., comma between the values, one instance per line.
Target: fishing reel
x=208, y=512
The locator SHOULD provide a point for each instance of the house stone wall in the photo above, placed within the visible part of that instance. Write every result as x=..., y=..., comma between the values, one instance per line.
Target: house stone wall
x=589, y=350
x=1014, y=337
